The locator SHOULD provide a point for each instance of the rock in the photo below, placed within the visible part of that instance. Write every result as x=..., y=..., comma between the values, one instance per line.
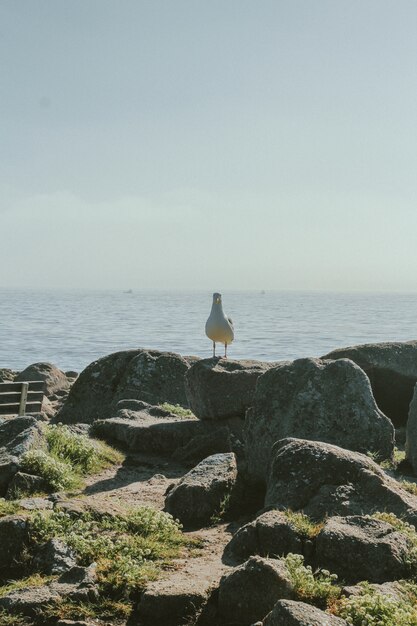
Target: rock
x=327, y=401
x=17, y=436
x=25, y=484
x=291, y=613
x=53, y=378
x=54, y=557
x=219, y=388
x=392, y=371
x=213, y=442
x=79, y=584
x=13, y=538
x=171, y=604
x=270, y=534
x=411, y=434
x=395, y=590
x=35, y=504
x=70, y=622
x=7, y=375
x=361, y=548
x=158, y=432
x=149, y=375
x=250, y=591
x=199, y=494
x=323, y=480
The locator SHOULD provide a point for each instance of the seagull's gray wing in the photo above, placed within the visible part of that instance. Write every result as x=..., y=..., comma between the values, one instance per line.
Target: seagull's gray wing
x=229, y=319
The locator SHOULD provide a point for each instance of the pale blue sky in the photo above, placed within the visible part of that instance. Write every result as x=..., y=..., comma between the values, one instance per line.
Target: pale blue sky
x=218, y=144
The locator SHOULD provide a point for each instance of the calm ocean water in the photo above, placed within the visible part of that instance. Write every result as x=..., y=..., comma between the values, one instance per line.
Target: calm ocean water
x=73, y=328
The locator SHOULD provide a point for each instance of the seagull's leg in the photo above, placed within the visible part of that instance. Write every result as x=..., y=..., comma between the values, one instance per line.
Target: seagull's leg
x=225, y=350
x=214, y=349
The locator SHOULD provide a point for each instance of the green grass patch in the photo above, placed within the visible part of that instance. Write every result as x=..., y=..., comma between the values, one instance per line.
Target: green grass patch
x=6, y=619
x=68, y=458
x=319, y=588
x=371, y=608
x=36, y=580
x=104, y=609
x=177, y=409
x=409, y=486
x=8, y=507
x=303, y=524
x=129, y=549
x=391, y=464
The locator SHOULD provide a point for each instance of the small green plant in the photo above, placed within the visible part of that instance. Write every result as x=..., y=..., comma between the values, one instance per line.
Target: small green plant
x=318, y=588
x=303, y=524
x=6, y=619
x=223, y=510
x=409, y=486
x=56, y=474
x=129, y=549
x=105, y=609
x=371, y=608
x=36, y=580
x=8, y=507
x=177, y=409
x=392, y=464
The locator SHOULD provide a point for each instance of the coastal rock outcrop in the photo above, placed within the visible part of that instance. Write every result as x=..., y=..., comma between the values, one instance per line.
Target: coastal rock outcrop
x=13, y=537
x=291, y=613
x=327, y=401
x=321, y=480
x=362, y=548
x=392, y=370
x=148, y=375
x=17, y=436
x=218, y=388
x=199, y=494
x=249, y=592
x=54, y=379
x=411, y=433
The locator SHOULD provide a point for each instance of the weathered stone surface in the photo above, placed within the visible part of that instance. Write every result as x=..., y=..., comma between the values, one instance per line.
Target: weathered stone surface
x=361, y=548
x=54, y=379
x=54, y=557
x=392, y=370
x=270, y=534
x=78, y=584
x=291, y=613
x=219, y=388
x=198, y=495
x=250, y=591
x=151, y=429
x=149, y=375
x=322, y=479
x=214, y=441
x=411, y=433
x=173, y=604
x=327, y=401
x=394, y=589
x=17, y=436
x=13, y=537
x=7, y=375
x=25, y=484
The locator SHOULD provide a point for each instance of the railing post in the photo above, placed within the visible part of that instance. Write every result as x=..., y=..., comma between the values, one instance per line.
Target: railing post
x=23, y=398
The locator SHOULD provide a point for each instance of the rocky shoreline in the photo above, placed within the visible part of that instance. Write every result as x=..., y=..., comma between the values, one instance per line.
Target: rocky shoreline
x=233, y=493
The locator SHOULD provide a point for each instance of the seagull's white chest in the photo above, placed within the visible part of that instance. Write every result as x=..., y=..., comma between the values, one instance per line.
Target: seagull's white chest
x=218, y=327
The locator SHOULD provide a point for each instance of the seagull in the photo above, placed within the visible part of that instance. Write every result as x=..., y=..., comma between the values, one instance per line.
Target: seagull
x=219, y=327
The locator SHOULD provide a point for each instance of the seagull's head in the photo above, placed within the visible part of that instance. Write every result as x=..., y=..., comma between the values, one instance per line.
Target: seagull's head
x=217, y=298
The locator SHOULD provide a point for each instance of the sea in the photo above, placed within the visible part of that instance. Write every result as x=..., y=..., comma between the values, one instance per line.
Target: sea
x=72, y=328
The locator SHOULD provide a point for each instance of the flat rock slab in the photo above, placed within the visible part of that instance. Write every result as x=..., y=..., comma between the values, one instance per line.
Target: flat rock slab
x=392, y=371
x=360, y=548
x=199, y=494
x=321, y=480
x=219, y=388
x=319, y=400
x=291, y=613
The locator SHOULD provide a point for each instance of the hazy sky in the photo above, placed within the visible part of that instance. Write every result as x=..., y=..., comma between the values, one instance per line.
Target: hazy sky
x=217, y=144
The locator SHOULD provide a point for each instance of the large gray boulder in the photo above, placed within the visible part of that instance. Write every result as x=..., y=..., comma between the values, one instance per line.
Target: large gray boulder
x=270, y=534
x=200, y=493
x=291, y=613
x=327, y=401
x=323, y=480
x=54, y=379
x=411, y=433
x=392, y=370
x=17, y=436
x=217, y=388
x=148, y=375
x=362, y=548
x=249, y=592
